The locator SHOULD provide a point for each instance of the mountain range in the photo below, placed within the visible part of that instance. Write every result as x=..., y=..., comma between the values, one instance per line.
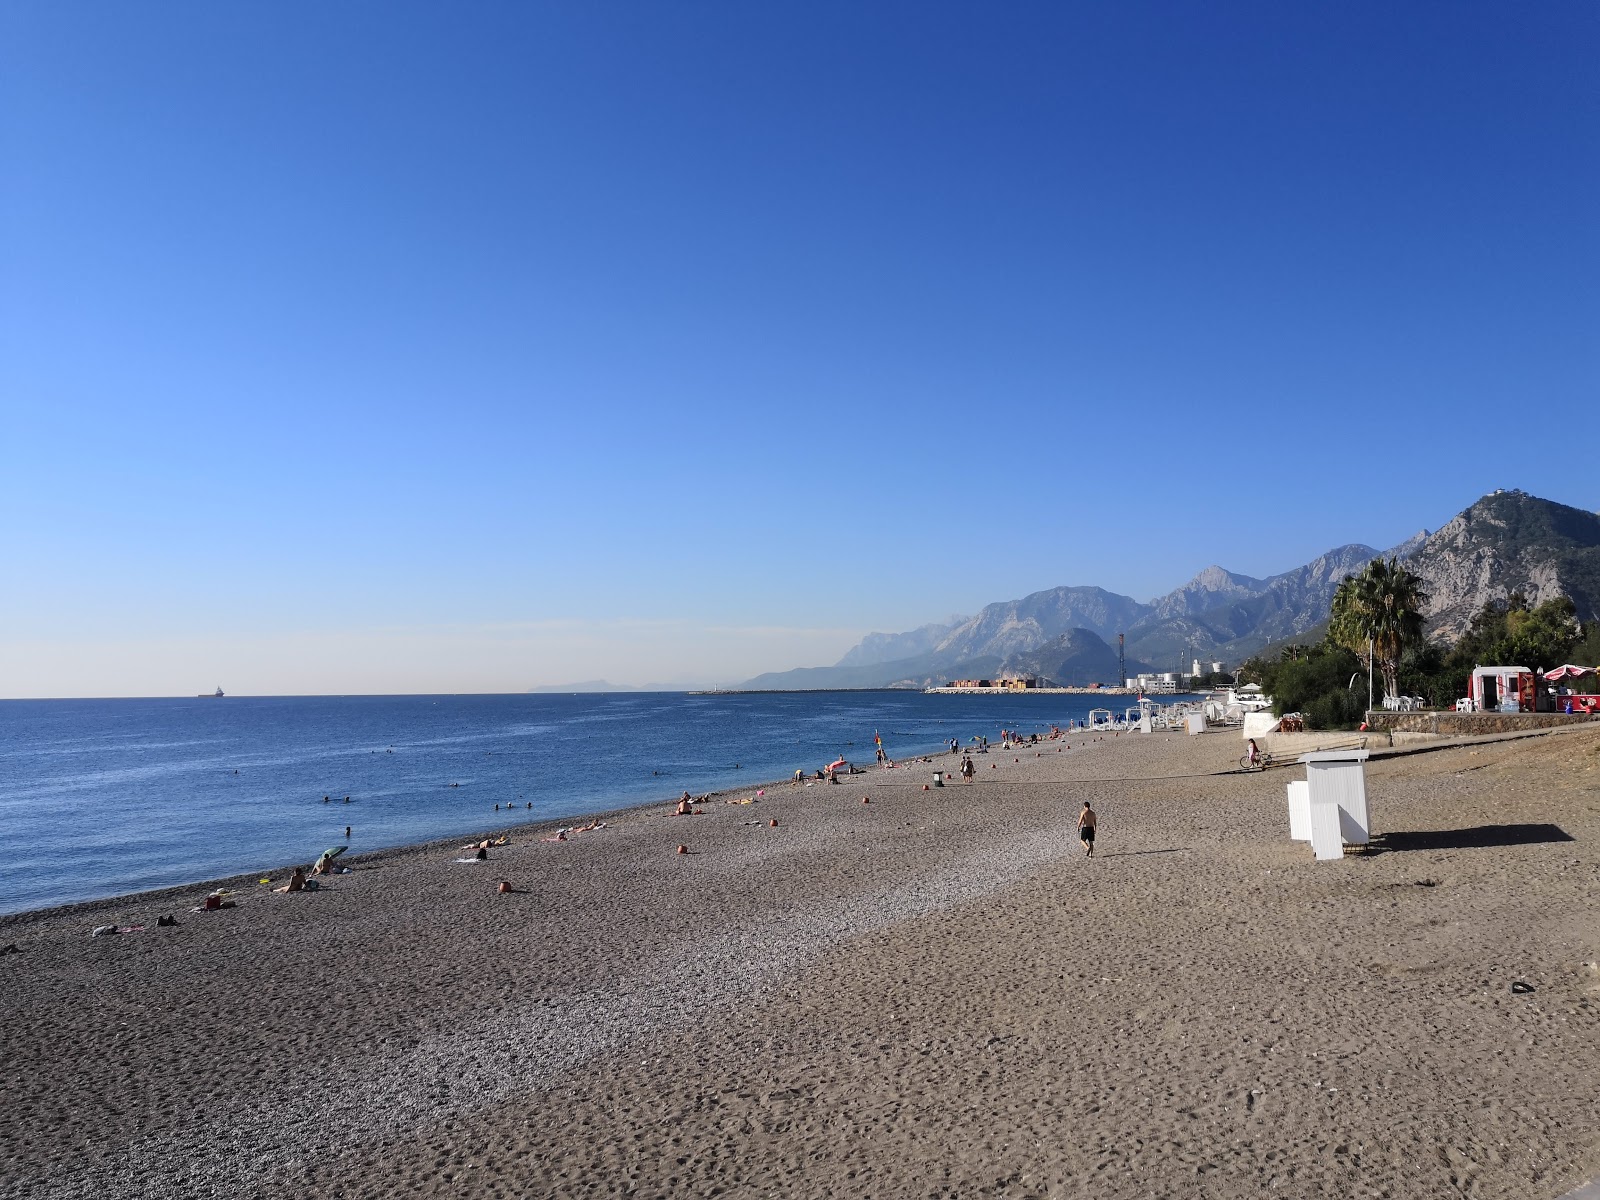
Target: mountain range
x=1507, y=541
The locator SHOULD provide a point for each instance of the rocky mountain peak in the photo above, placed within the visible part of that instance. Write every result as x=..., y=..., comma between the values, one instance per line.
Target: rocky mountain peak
x=1506, y=542
x=1408, y=547
x=1210, y=587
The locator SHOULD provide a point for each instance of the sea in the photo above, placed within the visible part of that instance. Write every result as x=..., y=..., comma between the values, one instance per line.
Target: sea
x=106, y=797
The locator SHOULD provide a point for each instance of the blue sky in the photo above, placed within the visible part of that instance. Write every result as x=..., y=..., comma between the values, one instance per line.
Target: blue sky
x=404, y=347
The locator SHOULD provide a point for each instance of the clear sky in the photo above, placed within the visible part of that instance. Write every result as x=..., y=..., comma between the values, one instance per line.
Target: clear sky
x=388, y=347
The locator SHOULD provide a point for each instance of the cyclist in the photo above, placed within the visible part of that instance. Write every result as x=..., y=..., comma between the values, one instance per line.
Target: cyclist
x=1255, y=754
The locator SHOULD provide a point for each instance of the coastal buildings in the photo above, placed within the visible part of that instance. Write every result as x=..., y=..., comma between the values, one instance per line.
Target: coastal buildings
x=1161, y=683
x=1020, y=684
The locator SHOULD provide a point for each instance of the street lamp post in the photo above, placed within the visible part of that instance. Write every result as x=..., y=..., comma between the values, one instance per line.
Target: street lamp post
x=1369, y=674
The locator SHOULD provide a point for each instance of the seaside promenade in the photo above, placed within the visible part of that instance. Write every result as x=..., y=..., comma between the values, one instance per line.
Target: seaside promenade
x=931, y=993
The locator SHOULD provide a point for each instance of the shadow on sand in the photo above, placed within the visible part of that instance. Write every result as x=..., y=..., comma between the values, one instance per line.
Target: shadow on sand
x=1479, y=837
x=1132, y=853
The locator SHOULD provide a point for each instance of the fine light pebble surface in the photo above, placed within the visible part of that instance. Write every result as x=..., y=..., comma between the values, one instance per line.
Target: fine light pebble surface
x=932, y=994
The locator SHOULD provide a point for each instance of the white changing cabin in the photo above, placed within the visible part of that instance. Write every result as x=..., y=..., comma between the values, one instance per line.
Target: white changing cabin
x=1337, y=785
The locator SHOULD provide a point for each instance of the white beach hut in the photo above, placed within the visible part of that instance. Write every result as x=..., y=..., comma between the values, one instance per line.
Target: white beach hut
x=1300, y=810
x=1336, y=782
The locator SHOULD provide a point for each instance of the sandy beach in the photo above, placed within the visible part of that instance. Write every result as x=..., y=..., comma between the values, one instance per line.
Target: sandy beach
x=931, y=994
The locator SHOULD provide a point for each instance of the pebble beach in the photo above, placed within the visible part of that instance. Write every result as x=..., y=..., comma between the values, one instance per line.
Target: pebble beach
x=865, y=988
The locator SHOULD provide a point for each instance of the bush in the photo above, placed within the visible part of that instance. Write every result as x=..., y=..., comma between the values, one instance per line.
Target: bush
x=1298, y=684
x=1338, y=709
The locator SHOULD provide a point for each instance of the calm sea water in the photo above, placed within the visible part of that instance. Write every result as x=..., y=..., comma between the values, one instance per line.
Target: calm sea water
x=103, y=797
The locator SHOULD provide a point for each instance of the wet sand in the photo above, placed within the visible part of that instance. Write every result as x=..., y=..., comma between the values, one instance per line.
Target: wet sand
x=931, y=994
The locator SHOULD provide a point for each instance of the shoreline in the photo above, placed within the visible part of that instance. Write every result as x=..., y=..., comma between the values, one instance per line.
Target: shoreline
x=274, y=826
x=865, y=989
x=250, y=880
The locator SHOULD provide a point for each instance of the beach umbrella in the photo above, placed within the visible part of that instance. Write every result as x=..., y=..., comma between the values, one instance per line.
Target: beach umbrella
x=334, y=851
x=1569, y=671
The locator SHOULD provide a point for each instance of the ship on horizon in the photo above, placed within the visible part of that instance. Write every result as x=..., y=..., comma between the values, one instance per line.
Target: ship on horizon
x=215, y=695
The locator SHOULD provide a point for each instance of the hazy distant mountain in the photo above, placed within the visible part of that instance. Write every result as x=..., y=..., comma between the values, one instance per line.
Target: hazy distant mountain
x=891, y=647
x=1408, y=547
x=588, y=685
x=1002, y=638
x=1509, y=542
x=1208, y=589
x=901, y=673
x=1017, y=625
x=1296, y=600
x=1505, y=542
x=1074, y=659
x=1283, y=606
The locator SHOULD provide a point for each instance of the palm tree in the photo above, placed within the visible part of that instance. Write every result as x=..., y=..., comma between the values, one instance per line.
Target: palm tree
x=1380, y=608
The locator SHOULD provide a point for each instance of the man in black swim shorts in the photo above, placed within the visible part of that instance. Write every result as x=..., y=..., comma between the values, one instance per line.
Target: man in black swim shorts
x=1086, y=823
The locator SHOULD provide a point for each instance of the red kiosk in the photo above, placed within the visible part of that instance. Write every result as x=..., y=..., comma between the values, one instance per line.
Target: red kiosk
x=1575, y=702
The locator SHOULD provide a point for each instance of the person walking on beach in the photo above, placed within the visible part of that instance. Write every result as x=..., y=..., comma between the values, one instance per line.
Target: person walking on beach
x=1086, y=823
x=967, y=769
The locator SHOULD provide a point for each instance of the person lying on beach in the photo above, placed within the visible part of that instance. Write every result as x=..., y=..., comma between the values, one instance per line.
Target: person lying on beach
x=297, y=882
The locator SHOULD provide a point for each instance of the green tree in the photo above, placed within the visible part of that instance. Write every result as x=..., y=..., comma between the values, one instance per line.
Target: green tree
x=1543, y=637
x=1317, y=685
x=1487, y=631
x=1426, y=670
x=1587, y=651
x=1380, y=608
x=1511, y=632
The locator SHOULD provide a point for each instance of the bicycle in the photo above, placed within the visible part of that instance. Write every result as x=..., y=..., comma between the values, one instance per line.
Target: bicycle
x=1262, y=762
